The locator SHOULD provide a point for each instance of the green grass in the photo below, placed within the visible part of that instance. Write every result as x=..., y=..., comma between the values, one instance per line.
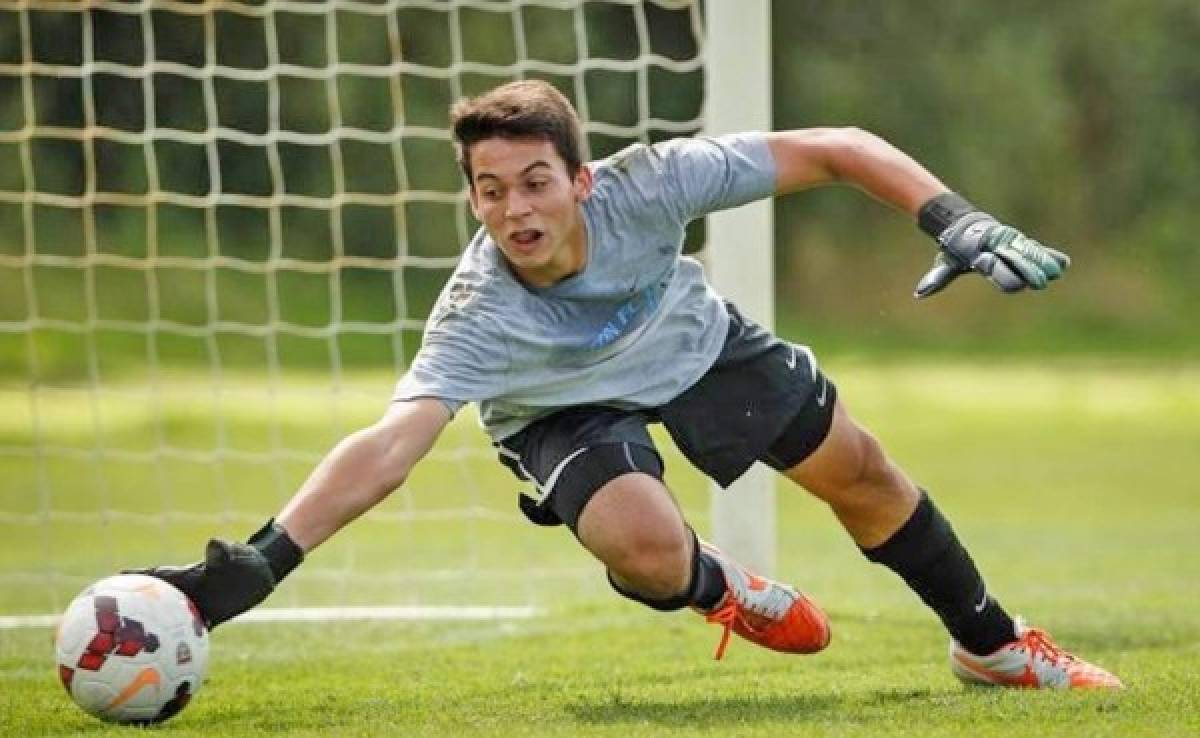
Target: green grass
x=1073, y=486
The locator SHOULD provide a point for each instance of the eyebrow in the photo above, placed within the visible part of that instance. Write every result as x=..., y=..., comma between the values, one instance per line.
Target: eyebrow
x=526, y=170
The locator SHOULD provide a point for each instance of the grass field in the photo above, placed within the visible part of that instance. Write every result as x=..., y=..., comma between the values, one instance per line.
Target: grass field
x=1073, y=485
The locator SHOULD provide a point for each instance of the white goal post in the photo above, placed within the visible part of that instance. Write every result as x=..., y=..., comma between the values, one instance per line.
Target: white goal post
x=742, y=245
x=222, y=225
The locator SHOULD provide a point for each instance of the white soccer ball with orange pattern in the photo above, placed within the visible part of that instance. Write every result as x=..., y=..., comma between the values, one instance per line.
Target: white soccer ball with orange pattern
x=131, y=649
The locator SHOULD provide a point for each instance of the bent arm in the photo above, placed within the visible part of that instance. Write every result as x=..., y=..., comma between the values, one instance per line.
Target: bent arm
x=968, y=238
x=362, y=470
x=812, y=157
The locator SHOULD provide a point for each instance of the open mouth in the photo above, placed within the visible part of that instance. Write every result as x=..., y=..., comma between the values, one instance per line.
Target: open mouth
x=526, y=239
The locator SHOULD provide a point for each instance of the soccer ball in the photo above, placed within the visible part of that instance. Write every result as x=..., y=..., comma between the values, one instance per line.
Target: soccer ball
x=131, y=649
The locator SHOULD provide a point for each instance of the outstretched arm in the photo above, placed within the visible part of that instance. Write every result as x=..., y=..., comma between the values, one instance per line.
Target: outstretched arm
x=355, y=476
x=362, y=470
x=970, y=239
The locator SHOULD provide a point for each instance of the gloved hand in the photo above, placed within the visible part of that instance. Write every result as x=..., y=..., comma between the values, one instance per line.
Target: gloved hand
x=233, y=577
x=972, y=240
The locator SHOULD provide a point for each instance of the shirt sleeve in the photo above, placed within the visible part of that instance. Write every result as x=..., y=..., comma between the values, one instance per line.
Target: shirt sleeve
x=706, y=174
x=462, y=359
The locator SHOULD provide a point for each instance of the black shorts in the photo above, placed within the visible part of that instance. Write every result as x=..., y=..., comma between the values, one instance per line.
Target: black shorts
x=763, y=399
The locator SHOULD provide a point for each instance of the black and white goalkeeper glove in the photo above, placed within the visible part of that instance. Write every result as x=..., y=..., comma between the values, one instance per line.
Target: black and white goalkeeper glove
x=972, y=240
x=233, y=577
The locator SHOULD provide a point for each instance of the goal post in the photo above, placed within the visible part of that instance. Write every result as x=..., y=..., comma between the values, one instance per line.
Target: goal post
x=740, y=253
x=222, y=226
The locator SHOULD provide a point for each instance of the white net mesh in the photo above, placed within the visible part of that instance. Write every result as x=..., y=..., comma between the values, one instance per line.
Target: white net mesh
x=222, y=225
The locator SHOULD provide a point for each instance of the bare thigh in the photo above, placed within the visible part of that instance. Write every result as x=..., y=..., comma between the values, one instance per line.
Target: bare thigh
x=869, y=494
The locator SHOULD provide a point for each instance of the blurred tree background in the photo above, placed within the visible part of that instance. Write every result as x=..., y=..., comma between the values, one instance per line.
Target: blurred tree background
x=1076, y=122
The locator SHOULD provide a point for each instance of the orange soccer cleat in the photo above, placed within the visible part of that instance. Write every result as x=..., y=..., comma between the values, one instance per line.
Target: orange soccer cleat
x=765, y=612
x=1032, y=660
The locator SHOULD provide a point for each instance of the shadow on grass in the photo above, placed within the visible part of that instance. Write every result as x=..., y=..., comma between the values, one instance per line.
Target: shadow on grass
x=618, y=708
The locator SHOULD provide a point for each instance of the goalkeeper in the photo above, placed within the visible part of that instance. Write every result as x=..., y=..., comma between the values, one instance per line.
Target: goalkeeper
x=574, y=321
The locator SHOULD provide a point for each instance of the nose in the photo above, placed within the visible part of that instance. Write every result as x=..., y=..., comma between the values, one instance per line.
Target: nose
x=516, y=206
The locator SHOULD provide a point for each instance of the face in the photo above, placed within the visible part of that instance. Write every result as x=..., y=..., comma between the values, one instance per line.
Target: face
x=529, y=204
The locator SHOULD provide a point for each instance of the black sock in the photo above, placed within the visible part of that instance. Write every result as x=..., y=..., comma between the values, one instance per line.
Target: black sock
x=928, y=556
x=708, y=581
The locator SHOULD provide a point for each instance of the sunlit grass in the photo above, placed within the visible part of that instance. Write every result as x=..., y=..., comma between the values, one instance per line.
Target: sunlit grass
x=1073, y=486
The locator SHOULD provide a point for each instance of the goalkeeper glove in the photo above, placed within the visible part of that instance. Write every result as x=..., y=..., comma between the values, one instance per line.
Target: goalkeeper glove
x=233, y=577
x=972, y=240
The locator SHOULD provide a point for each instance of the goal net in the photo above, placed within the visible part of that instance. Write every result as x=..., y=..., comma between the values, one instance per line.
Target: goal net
x=222, y=225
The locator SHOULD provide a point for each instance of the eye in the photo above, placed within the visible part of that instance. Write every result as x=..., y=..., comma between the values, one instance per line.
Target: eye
x=537, y=185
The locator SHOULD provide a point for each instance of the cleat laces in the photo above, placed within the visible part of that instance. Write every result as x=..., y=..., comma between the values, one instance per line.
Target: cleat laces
x=768, y=605
x=724, y=616
x=764, y=612
x=1040, y=645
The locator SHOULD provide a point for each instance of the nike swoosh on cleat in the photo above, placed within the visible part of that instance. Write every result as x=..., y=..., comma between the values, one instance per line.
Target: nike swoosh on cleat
x=982, y=603
x=1028, y=677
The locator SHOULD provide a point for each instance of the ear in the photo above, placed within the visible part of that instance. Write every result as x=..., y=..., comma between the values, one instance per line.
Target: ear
x=583, y=183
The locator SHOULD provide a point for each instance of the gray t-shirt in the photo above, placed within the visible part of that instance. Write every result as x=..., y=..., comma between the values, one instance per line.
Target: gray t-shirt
x=634, y=329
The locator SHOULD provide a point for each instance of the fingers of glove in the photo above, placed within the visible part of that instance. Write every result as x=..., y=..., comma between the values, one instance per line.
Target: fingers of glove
x=937, y=278
x=1059, y=257
x=233, y=578
x=162, y=572
x=999, y=273
x=1035, y=262
x=1024, y=269
x=219, y=555
x=184, y=578
x=1052, y=261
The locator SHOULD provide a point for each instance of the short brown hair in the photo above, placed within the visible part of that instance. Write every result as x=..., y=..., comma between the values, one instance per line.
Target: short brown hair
x=524, y=109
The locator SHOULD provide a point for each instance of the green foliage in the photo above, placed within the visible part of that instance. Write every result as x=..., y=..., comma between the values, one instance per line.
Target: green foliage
x=1075, y=122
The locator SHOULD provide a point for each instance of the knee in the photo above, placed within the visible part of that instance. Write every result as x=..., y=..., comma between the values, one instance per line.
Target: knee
x=634, y=527
x=654, y=565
